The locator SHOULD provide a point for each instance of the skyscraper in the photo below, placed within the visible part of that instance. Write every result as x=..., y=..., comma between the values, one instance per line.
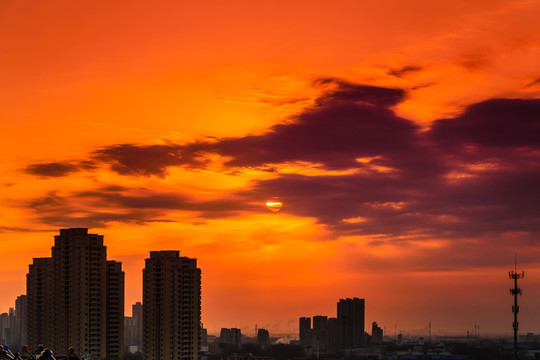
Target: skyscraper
x=320, y=332
x=231, y=338
x=172, y=307
x=304, y=326
x=350, y=314
x=263, y=337
x=76, y=297
x=20, y=321
x=137, y=314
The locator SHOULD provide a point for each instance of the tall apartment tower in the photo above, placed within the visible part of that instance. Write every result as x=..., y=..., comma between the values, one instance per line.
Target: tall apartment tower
x=115, y=310
x=76, y=297
x=137, y=314
x=40, y=302
x=304, y=329
x=350, y=315
x=20, y=321
x=320, y=332
x=171, y=307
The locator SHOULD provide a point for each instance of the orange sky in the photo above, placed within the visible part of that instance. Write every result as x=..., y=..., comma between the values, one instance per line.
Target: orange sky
x=103, y=103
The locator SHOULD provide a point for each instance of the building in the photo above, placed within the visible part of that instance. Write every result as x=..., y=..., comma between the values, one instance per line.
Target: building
x=172, y=307
x=75, y=297
x=350, y=315
x=133, y=328
x=20, y=321
x=304, y=327
x=333, y=334
x=376, y=333
x=263, y=337
x=320, y=333
x=231, y=338
x=115, y=310
x=137, y=314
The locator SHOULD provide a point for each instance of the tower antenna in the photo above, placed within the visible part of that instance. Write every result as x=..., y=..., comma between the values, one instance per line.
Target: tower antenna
x=515, y=309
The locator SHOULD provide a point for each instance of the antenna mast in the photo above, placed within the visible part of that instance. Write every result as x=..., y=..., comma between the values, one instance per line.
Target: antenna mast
x=515, y=309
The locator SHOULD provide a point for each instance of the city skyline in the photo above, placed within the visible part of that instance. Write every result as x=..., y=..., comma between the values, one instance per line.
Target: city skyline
x=396, y=144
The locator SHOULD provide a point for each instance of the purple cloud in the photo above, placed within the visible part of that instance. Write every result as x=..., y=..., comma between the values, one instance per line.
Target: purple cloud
x=470, y=176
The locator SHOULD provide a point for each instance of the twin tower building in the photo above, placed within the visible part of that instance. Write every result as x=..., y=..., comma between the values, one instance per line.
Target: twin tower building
x=76, y=299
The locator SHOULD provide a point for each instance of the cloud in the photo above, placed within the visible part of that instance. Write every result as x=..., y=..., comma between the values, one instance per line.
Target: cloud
x=128, y=205
x=52, y=169
x=131, y=159
x=469, y=176
x=496, y=123
x=404, y=71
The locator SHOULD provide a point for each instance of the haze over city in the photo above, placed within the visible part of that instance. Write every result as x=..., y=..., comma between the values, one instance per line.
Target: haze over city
x=402, y=139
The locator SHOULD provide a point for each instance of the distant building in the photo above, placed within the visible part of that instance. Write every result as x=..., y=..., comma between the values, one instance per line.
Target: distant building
x=76, y=298
x=133, y=328
x=350, y=315
x=376, y=334
x=204, y=338
x=115, y=310
x=231, y=337
x=320, y=332
x=172, y=307
x=263, y=337
x=305, y=331
x=20, y=321
x=137, y=314
x=333, y=334
x=7, y=325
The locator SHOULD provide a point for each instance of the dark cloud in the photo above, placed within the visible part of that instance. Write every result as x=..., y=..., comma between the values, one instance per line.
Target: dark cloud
x=132, y=159
x=129, y=205
x=497, y=123
x=52, y=169
x=470, y=176
x=404, y=71
x=533, y=83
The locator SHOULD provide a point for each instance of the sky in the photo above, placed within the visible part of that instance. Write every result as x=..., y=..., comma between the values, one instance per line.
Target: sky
x=402, y=137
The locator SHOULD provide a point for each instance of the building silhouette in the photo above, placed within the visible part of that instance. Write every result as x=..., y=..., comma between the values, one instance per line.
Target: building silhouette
x=263, y=337
x=13, y=324
x=172, y=307
x=231, y=338
x=333, y=334
x=76, y=298
x=320, y=332
x=305, y=331
x=376, y=333
x=20, y=321
x=350, y=315
x=133, y=328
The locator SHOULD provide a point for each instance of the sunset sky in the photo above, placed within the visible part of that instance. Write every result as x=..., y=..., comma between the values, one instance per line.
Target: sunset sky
x=403, y=138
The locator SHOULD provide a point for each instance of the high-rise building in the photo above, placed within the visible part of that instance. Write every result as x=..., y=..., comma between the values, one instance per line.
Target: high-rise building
x=137, y=314
x=40, y=299
x=320, y=332
x=231, y=337
x=333, y=334
x=115, y=310
x=75, y=298
x=350, y=314
x=376, y=333
x=172, y=307
x=133, y=328
x=20, y=321
x=263, y=337
x=305, y=331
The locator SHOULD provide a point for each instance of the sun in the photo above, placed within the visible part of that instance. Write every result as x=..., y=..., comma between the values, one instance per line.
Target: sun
x=274, y=204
